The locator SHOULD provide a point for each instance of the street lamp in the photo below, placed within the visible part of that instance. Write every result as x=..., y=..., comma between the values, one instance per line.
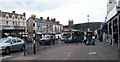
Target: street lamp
x=34, y=47
x=88, y=18
x=88, y=21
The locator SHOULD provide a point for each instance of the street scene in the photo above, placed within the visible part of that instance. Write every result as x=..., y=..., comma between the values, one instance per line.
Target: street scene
x=60, y=30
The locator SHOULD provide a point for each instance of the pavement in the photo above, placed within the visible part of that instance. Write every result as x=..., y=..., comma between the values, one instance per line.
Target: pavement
x=74, y=51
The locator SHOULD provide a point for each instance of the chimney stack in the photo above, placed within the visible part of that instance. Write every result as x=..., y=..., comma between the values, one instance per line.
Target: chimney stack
x=13, y=12
x=24, y=14
x=57, y=22
x=41, y=18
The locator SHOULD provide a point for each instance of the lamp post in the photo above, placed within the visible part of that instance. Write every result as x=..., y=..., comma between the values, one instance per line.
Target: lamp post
x=88, y=18
x=34, y=35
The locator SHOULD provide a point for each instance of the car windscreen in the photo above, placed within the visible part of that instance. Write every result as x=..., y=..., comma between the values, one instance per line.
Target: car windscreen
x=45, y=36
x=4, y=40
x=66, y=35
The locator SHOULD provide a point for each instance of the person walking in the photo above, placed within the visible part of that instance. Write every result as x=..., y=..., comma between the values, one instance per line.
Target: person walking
x=104, y=37
x=85, y=39
x=108, y=39
x=93, y=40
x=89, y=38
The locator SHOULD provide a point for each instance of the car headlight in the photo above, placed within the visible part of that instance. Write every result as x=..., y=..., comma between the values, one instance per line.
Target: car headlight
x=2, y=47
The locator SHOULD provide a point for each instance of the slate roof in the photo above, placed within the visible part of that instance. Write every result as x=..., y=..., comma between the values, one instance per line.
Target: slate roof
x=3, y=14
x=91, y=25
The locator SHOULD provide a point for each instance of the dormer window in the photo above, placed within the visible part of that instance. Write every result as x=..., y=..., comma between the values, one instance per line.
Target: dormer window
x=13, y=16
x=23, y=18
x=110, y=1
x=18, y=17
x=7, y=16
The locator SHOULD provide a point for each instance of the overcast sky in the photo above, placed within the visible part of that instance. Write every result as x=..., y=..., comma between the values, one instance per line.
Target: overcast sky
x=62, y=10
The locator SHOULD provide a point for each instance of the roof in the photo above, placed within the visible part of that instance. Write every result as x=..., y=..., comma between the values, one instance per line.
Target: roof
x=37, y=20
x=3, y=14
x=91, y=25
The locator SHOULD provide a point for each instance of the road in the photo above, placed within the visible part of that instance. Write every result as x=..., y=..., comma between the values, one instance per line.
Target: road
x=29, y=49
x=72, y=51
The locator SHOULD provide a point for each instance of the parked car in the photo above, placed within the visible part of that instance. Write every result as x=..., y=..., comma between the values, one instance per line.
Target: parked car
x=11, y=44
x=47, y=39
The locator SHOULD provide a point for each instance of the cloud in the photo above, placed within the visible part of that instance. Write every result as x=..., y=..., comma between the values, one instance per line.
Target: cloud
x=62, y=10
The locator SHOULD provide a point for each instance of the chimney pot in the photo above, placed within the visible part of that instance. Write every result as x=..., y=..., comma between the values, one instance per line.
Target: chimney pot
x=24, y=14
x=13, y=12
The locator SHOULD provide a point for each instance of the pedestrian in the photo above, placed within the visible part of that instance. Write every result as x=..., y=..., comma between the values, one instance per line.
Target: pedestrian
x=93, y=40
x=85, y=39
x=108, y=39
x=104, y=37
x=89, y=37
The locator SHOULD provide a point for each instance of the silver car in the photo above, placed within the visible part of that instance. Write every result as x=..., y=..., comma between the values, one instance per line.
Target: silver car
x=11, y=44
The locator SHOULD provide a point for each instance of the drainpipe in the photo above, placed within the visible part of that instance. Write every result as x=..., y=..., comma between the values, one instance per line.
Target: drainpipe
x=112, y=33
x=118, y=23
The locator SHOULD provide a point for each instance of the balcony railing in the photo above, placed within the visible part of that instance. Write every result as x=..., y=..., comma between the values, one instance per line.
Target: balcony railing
x=12, y=27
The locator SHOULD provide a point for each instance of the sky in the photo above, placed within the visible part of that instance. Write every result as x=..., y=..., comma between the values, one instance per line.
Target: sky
x=62, y=10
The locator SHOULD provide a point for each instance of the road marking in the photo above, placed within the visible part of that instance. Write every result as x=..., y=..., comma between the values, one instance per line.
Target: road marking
x=91, y=53
x=68, y=56
x=5, y=57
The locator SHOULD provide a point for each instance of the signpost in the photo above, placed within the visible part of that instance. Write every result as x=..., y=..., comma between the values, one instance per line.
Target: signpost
x=34, y=35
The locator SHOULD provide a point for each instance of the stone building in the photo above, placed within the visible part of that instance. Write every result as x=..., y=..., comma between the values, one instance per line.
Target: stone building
x=113, y=21
x=12, y=23
x=43, y=26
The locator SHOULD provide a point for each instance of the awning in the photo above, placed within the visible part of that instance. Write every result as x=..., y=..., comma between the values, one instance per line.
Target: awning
x=112, y=13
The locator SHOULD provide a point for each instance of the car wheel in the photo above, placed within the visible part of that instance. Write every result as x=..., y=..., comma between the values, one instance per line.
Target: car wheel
x=7, y=50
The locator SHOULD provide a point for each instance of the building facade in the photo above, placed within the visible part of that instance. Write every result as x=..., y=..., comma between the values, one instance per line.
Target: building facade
x=113, y=21
x=12, y=23
x=43, y=26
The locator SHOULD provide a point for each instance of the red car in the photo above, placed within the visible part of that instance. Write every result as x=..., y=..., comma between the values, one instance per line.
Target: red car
x=48, y=39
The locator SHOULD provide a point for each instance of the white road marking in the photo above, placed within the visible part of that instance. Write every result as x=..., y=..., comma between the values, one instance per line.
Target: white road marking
x=91, y=53
x=5, y=57
x=68, y=56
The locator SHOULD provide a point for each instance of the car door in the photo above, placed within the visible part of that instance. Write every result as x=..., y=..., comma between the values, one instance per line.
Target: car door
x=13, y=44
x=19, y=43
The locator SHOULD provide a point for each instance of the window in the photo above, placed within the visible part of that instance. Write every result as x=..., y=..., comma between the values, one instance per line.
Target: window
x=18, y=40
x=7, y=22
x=13, y=16
x=7, y=41
x=13, y=23
x=13, y=41
x=18, y=17
x=7, y=16
x=18, y=23
x=33, y=24
x=23, y=23
x=23, y=18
